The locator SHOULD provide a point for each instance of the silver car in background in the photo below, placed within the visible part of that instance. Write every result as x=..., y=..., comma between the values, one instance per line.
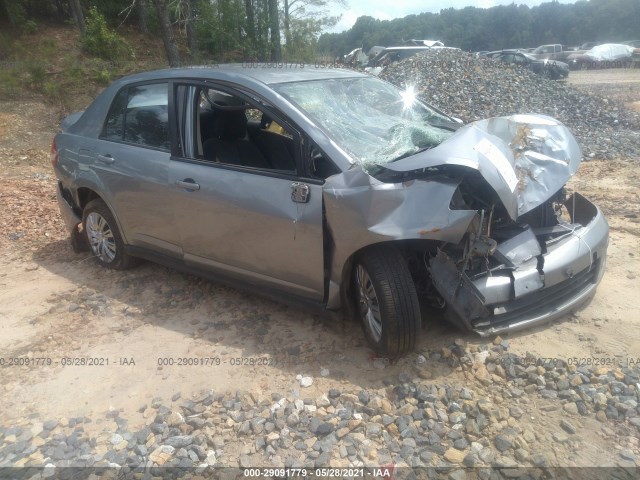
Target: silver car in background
x=336, y=189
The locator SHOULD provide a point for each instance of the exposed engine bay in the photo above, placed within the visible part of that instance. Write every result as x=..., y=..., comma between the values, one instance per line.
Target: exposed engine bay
x=498, y=271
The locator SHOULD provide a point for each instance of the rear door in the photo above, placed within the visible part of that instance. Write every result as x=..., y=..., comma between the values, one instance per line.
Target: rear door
x=132, y=159
x=247, y=218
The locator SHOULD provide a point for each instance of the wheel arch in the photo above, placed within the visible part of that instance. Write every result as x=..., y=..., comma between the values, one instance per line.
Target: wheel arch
x=405, y=247
x=86, y=194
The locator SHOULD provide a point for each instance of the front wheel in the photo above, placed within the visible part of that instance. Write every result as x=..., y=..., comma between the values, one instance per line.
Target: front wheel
x=104, y=237
x=387, y=301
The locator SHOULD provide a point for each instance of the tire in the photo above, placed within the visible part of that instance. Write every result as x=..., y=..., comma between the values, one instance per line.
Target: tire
x=546, y=73
x=104, y=238
x=386, y=301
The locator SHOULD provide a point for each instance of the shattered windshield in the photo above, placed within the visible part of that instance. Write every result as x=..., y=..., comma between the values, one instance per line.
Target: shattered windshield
x=370, y=119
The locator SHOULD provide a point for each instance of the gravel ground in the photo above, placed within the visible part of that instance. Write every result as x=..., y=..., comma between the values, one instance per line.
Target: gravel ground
x=413, y=422
x=476, y=88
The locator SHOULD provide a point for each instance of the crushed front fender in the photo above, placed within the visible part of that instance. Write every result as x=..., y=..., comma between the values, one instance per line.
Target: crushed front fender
x=362, y=211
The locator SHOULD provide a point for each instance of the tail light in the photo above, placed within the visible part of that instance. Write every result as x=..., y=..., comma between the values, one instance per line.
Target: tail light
x=54, y=153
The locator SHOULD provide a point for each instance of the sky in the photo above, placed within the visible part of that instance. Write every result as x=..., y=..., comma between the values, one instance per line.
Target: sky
x=389, y=9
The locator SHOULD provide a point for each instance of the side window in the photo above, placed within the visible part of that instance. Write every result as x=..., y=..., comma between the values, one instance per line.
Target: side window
x=321, y=166
x=147, y=116
x=114, y=127
x=233, y=131
x=140, y=115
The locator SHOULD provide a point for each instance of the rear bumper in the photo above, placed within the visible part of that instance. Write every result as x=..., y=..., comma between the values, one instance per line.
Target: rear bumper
x=536, y=292
x=71, y=219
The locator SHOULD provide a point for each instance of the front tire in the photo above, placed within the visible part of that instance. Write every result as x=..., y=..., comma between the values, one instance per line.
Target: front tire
x=387, y=301
x=104, y=238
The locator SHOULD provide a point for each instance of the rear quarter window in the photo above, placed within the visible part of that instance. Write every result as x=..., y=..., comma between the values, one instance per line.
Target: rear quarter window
x=140, y=115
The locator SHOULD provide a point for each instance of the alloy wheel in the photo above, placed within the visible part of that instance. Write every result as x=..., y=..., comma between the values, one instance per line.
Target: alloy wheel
x=368, y=303
x=100, y=237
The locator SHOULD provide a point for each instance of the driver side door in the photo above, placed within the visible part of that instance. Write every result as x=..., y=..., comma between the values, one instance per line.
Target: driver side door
x=245, y=219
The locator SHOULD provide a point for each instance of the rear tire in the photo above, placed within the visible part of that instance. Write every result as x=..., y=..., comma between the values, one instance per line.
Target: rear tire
x=386, y=301
x=104, y=238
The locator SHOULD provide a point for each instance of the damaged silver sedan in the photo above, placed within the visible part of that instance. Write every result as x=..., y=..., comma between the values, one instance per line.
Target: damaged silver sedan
x=334, y=189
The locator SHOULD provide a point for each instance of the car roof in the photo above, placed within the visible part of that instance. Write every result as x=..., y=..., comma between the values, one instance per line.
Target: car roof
x=265, y=73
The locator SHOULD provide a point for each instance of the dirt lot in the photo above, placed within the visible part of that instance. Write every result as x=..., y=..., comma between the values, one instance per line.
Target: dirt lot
x=57, y=304
x=617, y=84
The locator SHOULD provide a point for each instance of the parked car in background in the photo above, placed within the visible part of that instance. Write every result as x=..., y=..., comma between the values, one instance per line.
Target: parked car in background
x=394, y=54
x=356, y=58
x=375, y=50
x=552, y=69
x=587, y=46
x=608, y=55
x=424, y=43
x=553, y=52
x=335, y=189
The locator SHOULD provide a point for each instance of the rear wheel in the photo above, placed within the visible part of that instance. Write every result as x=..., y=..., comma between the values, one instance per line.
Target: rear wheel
x=387, y=302
x=104, y=238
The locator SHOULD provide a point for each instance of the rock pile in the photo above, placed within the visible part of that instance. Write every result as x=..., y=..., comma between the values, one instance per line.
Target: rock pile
x=473, y=88
x=413, y=422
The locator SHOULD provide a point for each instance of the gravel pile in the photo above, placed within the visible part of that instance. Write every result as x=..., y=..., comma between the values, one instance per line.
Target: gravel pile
x=414, y=422
x=477, y=88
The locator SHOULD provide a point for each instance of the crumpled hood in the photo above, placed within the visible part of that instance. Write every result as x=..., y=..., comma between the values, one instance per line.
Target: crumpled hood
x=525, y=158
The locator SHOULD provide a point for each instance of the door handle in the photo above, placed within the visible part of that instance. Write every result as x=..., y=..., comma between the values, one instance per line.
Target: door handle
x=299, y=192
x=188, y=184
x=108, y=159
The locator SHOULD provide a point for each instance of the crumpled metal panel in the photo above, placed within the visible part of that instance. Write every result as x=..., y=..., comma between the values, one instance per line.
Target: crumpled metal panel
x=527, y=279
x=456, y=289
x=521, y=248
x=525, y=158
x=362, y=211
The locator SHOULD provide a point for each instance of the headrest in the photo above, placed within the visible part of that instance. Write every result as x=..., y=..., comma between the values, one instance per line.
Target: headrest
x=222, y=99
x=230, y=125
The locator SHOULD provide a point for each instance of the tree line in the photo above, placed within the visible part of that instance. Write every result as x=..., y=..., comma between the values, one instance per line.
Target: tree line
x=510, y=26
x=193, y=30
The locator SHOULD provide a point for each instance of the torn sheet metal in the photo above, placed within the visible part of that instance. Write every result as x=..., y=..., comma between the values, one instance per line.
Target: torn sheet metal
x=525, y=158
x=520, y=248
x=456, y=289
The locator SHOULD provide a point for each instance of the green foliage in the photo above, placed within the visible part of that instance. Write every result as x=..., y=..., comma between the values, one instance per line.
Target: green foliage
x=47, y=47
x=219, y=29
x=37, y=73
x=52, y=90
x=10, y=82
x=103, y=77
x=29, y=27
x=103, y=42
x=15, y=11
x=6, y=47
